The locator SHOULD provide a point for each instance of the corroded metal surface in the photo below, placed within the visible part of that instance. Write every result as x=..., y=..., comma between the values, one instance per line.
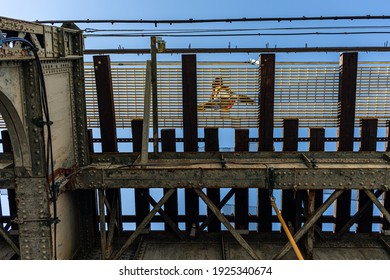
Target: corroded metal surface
x=333, y=171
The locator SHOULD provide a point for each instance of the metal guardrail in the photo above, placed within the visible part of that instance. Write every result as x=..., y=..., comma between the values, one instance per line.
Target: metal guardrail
x=304, y=90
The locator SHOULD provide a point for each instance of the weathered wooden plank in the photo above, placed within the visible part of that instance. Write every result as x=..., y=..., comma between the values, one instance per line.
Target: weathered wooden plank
x=190, y=130
x=212, y=145
x=368, y=143
x=241, y=198
x=346, y=119
x=168, y=144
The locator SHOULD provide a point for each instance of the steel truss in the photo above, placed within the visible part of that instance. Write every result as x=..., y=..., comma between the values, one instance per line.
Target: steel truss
x=311, y=171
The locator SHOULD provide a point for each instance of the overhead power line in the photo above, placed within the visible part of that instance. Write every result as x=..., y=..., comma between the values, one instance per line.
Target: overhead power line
x=226, y=20
x=236, y=34
x=241, y=50
x=207, y=30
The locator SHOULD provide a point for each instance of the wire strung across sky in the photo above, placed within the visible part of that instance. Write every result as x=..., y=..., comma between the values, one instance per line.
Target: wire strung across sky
x=91, y=32
x=226, y=20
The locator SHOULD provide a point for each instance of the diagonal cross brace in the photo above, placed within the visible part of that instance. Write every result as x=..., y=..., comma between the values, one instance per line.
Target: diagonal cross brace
x=357, y=216
x=226, y=223
x=309, y=223
x=4, y=234
x=385, y=213
x=163, y=214
x=144, y=223
x=211, y=217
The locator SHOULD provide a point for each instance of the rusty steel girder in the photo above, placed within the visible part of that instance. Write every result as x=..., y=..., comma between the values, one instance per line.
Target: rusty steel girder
x=292, y=171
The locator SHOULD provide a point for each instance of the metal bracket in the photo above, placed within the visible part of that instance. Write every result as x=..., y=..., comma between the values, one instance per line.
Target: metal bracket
x=310, y=163
x=386, y=156
x=42, y=123
x=223, y=161
x=271, y=178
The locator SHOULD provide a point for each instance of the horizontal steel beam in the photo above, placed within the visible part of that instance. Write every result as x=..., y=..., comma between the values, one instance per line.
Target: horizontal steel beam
x=241, y=170
x=239, y=50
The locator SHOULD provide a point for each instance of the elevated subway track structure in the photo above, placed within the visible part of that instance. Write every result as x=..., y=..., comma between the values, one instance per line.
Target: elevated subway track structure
x=166, y=190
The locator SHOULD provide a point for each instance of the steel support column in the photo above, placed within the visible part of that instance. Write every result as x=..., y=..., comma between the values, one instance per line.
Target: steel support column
x=141, y=206
x=168, y=144
x=266, y=131
x=368, y=143
x=291, y=201
x=386, y=225
x=346, y=118
x=190, y=130
x=317, y=144
x=241, y=197
x=212, y=145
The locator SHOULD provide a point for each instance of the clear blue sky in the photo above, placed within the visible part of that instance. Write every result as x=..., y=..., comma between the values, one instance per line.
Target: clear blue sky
x=202, y=9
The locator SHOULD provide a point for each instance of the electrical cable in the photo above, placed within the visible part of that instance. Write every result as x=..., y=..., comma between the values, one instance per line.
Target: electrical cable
x=49, y=148
x=208, y=30
x=236, y=34
x=222, y=20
